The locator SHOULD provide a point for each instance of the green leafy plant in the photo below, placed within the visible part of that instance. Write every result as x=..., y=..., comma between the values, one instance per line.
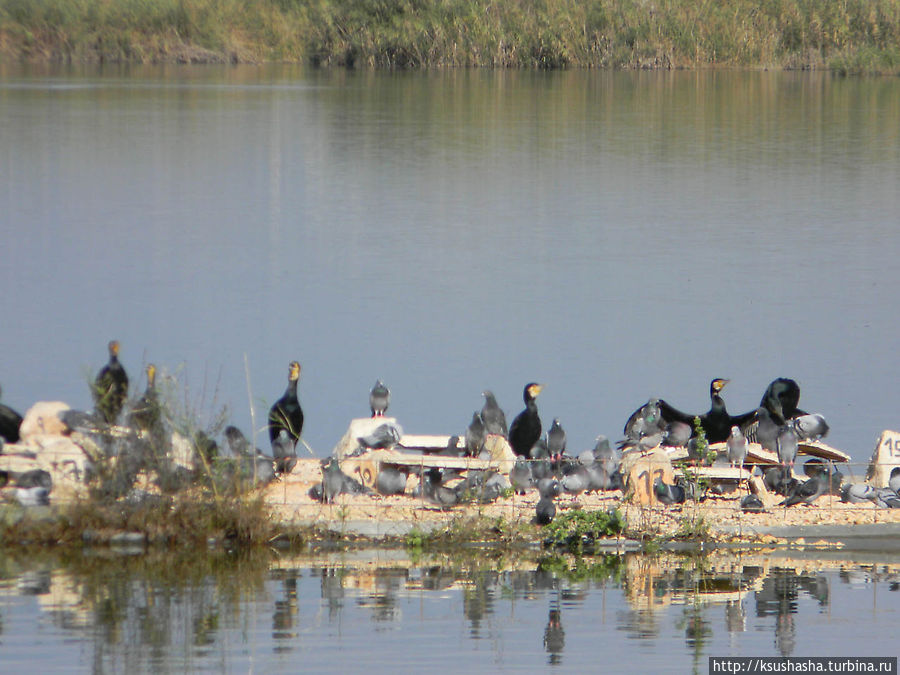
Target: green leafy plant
x=576, y=530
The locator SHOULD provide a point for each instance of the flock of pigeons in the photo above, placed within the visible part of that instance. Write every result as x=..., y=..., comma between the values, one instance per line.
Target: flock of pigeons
x=777, y=424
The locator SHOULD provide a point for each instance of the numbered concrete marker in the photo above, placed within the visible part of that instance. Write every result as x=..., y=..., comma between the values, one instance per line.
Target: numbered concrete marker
x=884, y=459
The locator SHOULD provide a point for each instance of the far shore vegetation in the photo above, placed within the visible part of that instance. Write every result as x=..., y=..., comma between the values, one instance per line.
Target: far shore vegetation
x=843, y=36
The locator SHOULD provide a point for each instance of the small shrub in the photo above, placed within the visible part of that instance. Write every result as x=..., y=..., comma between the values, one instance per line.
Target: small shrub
x=576, y=530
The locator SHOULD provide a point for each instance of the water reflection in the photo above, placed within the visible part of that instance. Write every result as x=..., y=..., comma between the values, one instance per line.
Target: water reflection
x=234, y=612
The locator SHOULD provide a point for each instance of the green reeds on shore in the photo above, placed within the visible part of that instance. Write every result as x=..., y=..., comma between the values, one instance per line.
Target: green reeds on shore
x=847, y=36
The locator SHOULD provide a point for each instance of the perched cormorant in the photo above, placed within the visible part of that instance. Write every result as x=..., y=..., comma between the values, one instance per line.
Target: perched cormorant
x=781, y=399
x=10, y=421
x=146, y=413
x=379, y=399
x=476, y=435
x=110, y=386
x=526, y=427
x=716, y=422
x=492, y=416
x=286, y=413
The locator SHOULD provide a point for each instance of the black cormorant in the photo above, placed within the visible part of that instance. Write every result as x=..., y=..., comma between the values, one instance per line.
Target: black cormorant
x=379, y=399
x=10, y=421
x=146, y=413
x=492, y=415
x=111, y=386
x=526, y=428
x=716, y=422
x=286, y=413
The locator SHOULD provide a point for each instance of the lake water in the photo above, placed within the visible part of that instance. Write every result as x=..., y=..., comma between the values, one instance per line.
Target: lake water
x=391, y=611
x=612, y=235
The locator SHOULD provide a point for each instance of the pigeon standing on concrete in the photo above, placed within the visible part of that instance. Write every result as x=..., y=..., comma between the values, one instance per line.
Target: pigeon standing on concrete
x=737, y=447
x=379, y=399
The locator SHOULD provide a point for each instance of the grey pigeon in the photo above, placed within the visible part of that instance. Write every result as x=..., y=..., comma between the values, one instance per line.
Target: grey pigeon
x=668, y=494
x=33, y=496
x=576, y=480
x=779, y=480
x=598, y=478
x=476, y=435
x=786, y=445
x=383, y=437
x=752, y=504
x=549, y=487
x=284, y=452
x=677, y=434
x=886, y=498
x=737, y=447
x=894, y=480
x=493, y=417
x=33, y=478
x=645, y=421
x=332, y=481
x=494, y=487
x=857, y=493
x=810, y=427
x=610, y=457
x=520, y=476
x=541, y=468
x=556, y=438
x=539, y=450
x=545, y=511
x=390, y=481
x=766, y=430
x=807, y=492
x=237, y=443
x=435, y=492
x=379, y=399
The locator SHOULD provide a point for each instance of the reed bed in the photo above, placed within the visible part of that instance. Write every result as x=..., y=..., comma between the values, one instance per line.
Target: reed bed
x=845, y=36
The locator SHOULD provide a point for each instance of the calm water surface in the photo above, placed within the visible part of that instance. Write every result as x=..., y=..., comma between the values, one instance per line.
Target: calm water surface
x=386, y=612
x=613, y=235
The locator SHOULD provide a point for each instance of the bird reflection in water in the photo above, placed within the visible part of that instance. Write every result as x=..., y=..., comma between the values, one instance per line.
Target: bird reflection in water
x=478, y=601
x=779, y=595
x=554, y=635
x=285, y=613
x=333, y=590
